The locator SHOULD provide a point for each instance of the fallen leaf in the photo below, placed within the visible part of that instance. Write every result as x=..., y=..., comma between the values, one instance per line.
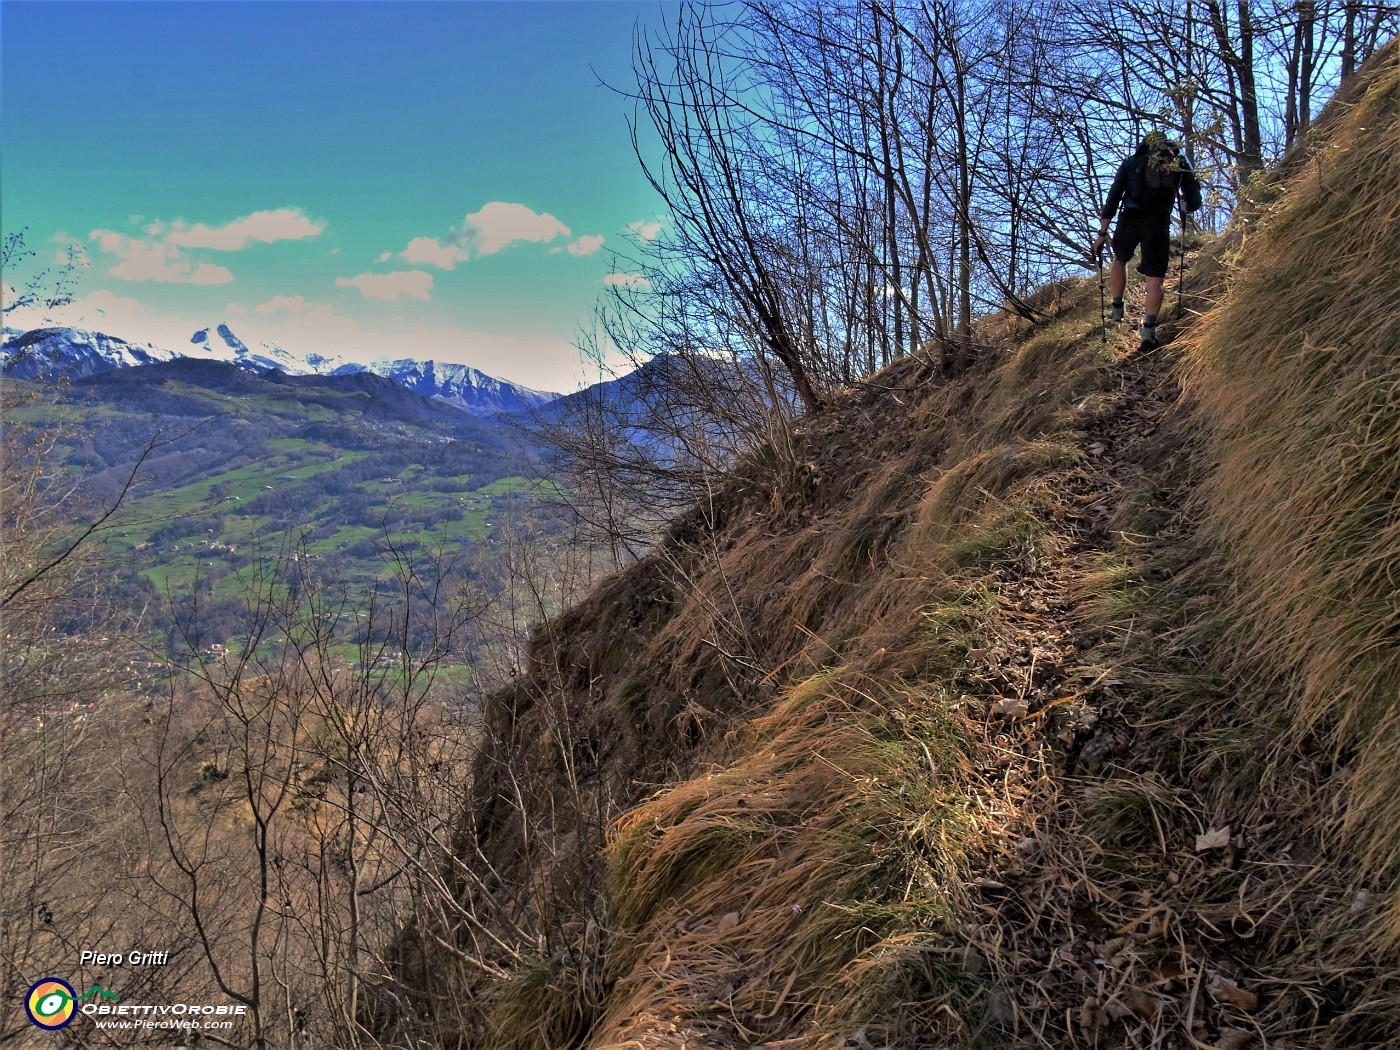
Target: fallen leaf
x=1092, y=1017
x=1233, y=1039
x=1215, y=838
x=1113, y=946
x=1364, y=900
x=1225, y=990
x=999, y=1005
x=1144, y=1004
x=730, y=920
x=1008, y=708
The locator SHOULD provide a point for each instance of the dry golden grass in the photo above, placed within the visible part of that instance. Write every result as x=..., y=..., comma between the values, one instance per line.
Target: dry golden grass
x=803, y=882
x=789, y=883
x=786, y=666
x=1294, y=375
x=911, y=744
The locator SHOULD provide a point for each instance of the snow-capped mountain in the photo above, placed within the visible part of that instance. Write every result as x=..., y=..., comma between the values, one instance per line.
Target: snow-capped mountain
x=322, y=364
x=219, y=343
x=52, y=352
x=47, y=353
x=460, y=385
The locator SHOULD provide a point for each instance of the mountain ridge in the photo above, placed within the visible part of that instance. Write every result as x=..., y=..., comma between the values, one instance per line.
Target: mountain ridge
x=74, y=353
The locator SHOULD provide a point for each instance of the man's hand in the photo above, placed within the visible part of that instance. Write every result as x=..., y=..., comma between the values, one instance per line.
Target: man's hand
x=1099, y=241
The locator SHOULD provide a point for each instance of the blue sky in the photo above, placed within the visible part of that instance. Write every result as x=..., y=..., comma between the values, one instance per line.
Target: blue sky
x=425, y=178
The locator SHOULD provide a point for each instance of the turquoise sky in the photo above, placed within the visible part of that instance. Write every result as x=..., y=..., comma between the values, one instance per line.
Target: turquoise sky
x=425, y=178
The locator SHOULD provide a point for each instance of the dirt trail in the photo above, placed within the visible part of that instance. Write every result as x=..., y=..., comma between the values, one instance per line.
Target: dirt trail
x=1107, y=899
x=1162, y=919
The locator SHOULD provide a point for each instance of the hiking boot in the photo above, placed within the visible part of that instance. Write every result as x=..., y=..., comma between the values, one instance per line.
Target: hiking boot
x=1116, y=314
x=1149, y=335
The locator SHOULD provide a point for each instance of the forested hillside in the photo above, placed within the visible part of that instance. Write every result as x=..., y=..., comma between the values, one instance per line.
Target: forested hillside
x=222, y=469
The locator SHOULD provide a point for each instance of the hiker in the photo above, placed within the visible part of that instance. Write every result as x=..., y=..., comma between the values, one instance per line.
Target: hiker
x=1147, y=184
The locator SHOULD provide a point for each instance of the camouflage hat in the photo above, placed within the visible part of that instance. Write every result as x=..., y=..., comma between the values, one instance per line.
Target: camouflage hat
x=1157, y=142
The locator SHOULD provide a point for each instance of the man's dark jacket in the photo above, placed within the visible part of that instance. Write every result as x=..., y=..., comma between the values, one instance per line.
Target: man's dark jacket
x=1128, y=182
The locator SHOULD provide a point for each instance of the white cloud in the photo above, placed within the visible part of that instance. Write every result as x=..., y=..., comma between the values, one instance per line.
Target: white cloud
x=264, y=227
x=498, y=225
x=144, y=260
x=299, y=325
x=235, y=308
x=431, y=252
x=290, y=304
x=208, y=273
x=586, y=245
x=626, y=280
x=416, y=284
x=319, y=329
x=162, y=253
x=108, y=304
x=646, y=230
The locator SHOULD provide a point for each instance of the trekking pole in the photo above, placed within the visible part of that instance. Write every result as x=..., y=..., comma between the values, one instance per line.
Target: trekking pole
x=1181, y=267
x=1103, y=319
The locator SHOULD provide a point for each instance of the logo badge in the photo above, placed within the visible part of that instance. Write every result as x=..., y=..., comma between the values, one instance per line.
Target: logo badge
x=50, y=1003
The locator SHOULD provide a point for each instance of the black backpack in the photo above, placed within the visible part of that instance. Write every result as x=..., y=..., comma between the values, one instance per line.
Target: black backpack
x=1158, y=178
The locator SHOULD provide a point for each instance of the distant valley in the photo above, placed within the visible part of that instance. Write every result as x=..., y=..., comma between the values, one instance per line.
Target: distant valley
x=251, y=455
x=246, y=464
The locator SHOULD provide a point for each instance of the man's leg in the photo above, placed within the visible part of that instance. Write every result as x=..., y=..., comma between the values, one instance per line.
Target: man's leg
x=1117, y=281
x=1153, y=296
x=1152, y=302
x=1156, y=257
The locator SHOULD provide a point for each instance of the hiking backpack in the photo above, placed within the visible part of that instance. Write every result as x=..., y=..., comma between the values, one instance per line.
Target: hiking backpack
x=1158, y=178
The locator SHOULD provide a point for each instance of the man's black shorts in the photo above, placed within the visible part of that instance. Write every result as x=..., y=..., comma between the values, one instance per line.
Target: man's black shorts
x=1153, y=230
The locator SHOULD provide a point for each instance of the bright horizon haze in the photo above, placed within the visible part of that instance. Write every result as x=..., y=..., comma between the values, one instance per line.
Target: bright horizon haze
x=404, y=178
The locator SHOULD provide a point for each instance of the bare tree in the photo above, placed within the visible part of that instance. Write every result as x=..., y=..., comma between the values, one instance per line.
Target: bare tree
x=726, y=221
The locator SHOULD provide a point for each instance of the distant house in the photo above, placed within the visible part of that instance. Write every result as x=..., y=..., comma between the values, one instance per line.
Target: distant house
x=386, y=660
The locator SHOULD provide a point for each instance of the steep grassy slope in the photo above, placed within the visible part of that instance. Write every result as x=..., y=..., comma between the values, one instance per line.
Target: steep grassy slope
x=1295, y=376
x=998, y=716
